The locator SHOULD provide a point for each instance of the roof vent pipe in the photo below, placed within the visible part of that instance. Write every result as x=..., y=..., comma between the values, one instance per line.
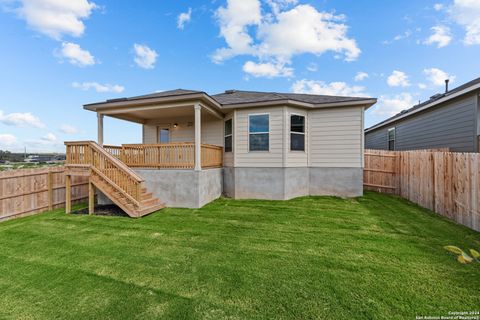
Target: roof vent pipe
x=446, y=85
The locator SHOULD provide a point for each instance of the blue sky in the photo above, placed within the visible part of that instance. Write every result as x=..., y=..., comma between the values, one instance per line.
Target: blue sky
x=58, y=55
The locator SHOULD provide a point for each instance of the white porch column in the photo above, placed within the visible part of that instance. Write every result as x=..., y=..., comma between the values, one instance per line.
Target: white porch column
x=100, y=128
x=198, y=137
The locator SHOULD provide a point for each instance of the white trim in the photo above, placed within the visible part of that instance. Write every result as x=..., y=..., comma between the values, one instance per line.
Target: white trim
x=290, y=132
x=394, y=129
x=100, y=129
x=198, y=137
x=225, y=135
x=248, y=131
x=434, y=103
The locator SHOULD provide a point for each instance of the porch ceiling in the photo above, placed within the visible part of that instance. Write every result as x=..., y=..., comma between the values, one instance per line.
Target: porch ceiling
x=147, y=115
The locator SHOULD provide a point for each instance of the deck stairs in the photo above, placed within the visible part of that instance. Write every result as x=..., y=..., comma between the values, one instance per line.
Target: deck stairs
x=112, y=177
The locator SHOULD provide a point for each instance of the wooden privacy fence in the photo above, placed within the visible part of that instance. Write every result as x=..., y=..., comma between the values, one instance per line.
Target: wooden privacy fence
x=29, y=191
x=445, y=182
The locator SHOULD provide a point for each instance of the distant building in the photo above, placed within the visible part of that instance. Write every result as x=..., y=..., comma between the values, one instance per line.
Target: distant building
x=448, y=120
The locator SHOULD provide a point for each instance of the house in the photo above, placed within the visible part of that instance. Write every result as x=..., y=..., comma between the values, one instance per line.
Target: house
x=242, y=144
x=448, y=120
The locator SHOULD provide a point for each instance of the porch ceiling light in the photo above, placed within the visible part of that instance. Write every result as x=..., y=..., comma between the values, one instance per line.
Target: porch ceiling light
x=175, y=125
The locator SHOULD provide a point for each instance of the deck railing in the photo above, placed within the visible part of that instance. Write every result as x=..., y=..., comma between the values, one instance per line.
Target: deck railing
x=167, y=155
x=89, y=154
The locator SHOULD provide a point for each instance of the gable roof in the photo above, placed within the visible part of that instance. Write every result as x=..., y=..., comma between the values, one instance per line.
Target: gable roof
x=433, y=101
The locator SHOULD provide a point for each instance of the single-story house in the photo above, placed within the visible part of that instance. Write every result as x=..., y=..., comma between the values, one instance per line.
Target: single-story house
x=447, y=120
x=242, y=144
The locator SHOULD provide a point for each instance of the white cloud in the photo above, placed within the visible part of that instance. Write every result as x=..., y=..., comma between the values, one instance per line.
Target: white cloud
x=360, y=76
x=7, y=139
x=391, y=105
x=144, y=56
x=422, y=86
x=407, y=34
x=398, y=79
x=331, y=89
x=438, y=6
x=49, y=137
x=21, y=120
x=102, y=88
x=56, y=18
x=267, y=70
x=437, y=76
x=68, y=129
x=466, y=13
x=184, y=18
x=441, y=36
x=234, y=21
x=76, y=55
x=282, y=33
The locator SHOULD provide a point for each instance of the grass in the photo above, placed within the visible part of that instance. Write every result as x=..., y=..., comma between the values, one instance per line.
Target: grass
x=375, y=257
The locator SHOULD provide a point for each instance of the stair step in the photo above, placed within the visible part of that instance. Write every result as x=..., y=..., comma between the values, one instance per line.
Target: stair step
x=150, y=209
x=146, y=196
x=147, y=203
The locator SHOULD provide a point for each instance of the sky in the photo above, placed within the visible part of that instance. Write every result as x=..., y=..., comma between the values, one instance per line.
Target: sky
x=58, y=55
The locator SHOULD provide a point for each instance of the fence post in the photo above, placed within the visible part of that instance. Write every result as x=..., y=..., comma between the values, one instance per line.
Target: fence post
x=434, y=193
x=68, y=193
x=50, y=189
x=91, y=197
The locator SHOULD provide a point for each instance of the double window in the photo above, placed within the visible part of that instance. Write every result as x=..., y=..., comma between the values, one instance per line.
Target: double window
x=228, y=135
x=297, y=133
x=391, y=139
x=259, y=132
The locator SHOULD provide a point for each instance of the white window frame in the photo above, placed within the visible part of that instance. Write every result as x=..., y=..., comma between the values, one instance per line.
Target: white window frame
x=248, y=131
x=304, y=132
x=225, y=135
x=394, y=129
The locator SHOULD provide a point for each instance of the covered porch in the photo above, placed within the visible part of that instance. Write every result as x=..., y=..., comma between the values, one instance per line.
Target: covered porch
x=174, y=136
x=179, y=160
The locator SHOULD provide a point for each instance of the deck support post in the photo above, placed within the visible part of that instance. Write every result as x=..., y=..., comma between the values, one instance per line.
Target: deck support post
x=68, y=193
x=100, y=128
x=91, y=197
x=198, y=137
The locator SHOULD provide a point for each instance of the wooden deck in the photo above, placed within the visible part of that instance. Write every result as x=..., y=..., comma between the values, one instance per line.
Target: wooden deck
x=109, y=169
x=111, y=176
x=167, y=155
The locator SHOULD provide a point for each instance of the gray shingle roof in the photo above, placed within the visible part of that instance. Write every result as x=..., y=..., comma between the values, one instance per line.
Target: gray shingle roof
x=169, y=93
x=432, y=99
x=234, y=97
x=239, y=97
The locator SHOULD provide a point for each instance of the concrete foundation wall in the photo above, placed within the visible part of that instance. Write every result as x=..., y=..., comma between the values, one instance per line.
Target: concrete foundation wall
x=343, y=182
x=288, y=183
x=183, y=188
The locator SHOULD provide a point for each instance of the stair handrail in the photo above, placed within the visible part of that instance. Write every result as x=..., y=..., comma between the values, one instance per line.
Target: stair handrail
x=106, y=165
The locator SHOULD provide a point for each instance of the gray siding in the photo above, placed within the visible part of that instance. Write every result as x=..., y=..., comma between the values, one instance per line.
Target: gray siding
x=376, y=139
x=451, y=125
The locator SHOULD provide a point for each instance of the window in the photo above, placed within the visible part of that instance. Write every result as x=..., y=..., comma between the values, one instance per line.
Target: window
x=391, y=138
x=228, y=135
x=163, y=135
x=258, y=129
x=297, y=133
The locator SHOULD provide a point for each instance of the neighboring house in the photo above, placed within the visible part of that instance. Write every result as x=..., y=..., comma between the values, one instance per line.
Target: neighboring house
x=259, y=145
x=448, y=120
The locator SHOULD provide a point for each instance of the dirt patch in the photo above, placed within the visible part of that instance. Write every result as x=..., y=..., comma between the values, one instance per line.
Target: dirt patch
x=104, y=210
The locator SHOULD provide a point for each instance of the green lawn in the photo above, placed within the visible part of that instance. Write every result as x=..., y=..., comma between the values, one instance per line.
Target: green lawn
x=375, y=257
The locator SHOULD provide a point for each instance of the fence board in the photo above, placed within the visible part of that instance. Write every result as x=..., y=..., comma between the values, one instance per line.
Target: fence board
x=29, y=191
x=445, y=182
